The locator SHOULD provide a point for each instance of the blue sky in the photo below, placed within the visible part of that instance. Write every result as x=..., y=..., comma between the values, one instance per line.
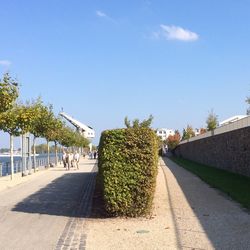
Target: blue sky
x=104, y=60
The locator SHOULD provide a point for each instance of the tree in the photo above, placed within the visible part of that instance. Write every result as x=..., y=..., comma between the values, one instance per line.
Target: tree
x=39, y=124
x=52, y=131
x=16, y=121
x=212, y=121
x=9, y=124
x=43, y=125
x=248, y=102
x=202, y=131
x=8, y=92
x=188, y=133
x=173, y=140
x=26, y=113
x=8, y=95
x=147, y=122
x=54, y=134
x=137, y=124
x=127, y=122
x=71, y=138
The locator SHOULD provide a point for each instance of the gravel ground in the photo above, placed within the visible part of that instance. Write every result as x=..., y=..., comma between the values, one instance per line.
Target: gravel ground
x=187, y=214
x=156, y=232
x=205, y=218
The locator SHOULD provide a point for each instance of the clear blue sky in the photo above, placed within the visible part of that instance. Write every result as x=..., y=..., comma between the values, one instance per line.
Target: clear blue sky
x=103, y=60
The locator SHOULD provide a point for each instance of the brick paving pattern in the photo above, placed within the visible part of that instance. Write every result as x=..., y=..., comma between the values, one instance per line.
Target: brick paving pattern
x=73, y=236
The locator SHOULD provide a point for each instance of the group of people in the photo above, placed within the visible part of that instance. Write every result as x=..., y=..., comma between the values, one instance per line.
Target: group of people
x=70, y=160
x=93, y=155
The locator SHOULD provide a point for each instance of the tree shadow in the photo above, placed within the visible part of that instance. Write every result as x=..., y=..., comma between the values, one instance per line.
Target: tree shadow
x=69, y=195
x=227, y=225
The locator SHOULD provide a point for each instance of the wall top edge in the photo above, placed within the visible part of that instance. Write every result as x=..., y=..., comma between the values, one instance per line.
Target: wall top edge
x=242, y=123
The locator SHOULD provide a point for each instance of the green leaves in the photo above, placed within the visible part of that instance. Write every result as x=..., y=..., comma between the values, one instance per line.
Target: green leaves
x=68, y=137
x=8, y=93
x=127, y=163
x=9, y=122
x=17, y=120
x=212, y=121
x=188, y=133
x=137, y=124
x=248, y=102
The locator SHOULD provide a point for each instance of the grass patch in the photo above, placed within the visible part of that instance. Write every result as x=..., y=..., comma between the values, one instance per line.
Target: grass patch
x=235, y=185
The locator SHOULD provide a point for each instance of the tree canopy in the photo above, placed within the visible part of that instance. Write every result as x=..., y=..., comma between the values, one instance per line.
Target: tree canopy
x=188, y=133
x=70, y=138
x=137, y=124
x=8, y=92
x=212, y=121
x=17, y=120
x=33, y=117
x=173, y=140
x=248, y=102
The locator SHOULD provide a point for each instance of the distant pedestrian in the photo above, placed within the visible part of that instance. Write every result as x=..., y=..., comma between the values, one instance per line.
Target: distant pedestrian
x=76, y=159
x=71, y=159
x=64, y=156
x=95, y=154
x=90, y=155
x=67, y=161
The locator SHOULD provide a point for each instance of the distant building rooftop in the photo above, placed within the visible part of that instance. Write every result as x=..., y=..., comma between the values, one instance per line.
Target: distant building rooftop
x=232, y=119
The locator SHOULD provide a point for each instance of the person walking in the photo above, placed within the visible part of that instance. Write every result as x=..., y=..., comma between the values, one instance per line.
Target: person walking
x=64, y=156
x=71, y=160
x=67, y=160
x=76, y=159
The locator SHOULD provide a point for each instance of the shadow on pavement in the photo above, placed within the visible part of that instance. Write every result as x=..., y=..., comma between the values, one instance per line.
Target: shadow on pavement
x=69, y=195
x=224, y=222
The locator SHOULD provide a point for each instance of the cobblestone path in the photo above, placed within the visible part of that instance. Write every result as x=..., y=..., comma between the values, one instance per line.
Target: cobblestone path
x=74, y=236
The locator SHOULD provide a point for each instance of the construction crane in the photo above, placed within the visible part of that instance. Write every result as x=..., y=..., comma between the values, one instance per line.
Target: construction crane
x=83, y=129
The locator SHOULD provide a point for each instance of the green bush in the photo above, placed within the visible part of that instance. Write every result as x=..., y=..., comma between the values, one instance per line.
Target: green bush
x=127, y=162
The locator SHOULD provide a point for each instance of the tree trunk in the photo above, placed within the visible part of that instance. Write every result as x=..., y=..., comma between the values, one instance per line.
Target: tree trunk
x=29, y=153
x=34, y=153
x=48, y=154
x=56, y=161
x=23, y=155
x=11, y=157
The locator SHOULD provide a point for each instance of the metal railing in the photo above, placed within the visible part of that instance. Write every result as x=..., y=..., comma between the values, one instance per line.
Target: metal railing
x=41, y=163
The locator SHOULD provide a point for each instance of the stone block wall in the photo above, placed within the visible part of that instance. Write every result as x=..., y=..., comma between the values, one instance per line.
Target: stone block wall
x=229, y=151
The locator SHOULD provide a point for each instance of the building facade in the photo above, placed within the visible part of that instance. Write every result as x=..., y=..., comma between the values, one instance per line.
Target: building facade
x=164, y=133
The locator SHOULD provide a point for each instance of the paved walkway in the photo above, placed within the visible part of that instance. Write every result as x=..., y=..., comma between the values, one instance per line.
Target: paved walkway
x=187, y=214
x=50, y=210
x=204, y=218
x=47, y=210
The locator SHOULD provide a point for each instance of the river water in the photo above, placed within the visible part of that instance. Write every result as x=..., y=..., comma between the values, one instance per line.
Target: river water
x=4, y=159
x=41, y=162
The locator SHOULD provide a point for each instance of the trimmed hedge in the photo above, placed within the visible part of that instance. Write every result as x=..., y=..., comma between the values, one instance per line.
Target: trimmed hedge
x=127, y=161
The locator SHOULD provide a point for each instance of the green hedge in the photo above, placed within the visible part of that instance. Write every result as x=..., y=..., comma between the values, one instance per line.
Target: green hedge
x=127, y=162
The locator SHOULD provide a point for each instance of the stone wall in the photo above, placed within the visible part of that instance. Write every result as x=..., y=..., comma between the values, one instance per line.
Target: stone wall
x=229, y=151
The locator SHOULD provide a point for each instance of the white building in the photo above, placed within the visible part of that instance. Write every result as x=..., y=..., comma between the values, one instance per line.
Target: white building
x=197, y=132
x=232, y=119
x=164, y=133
